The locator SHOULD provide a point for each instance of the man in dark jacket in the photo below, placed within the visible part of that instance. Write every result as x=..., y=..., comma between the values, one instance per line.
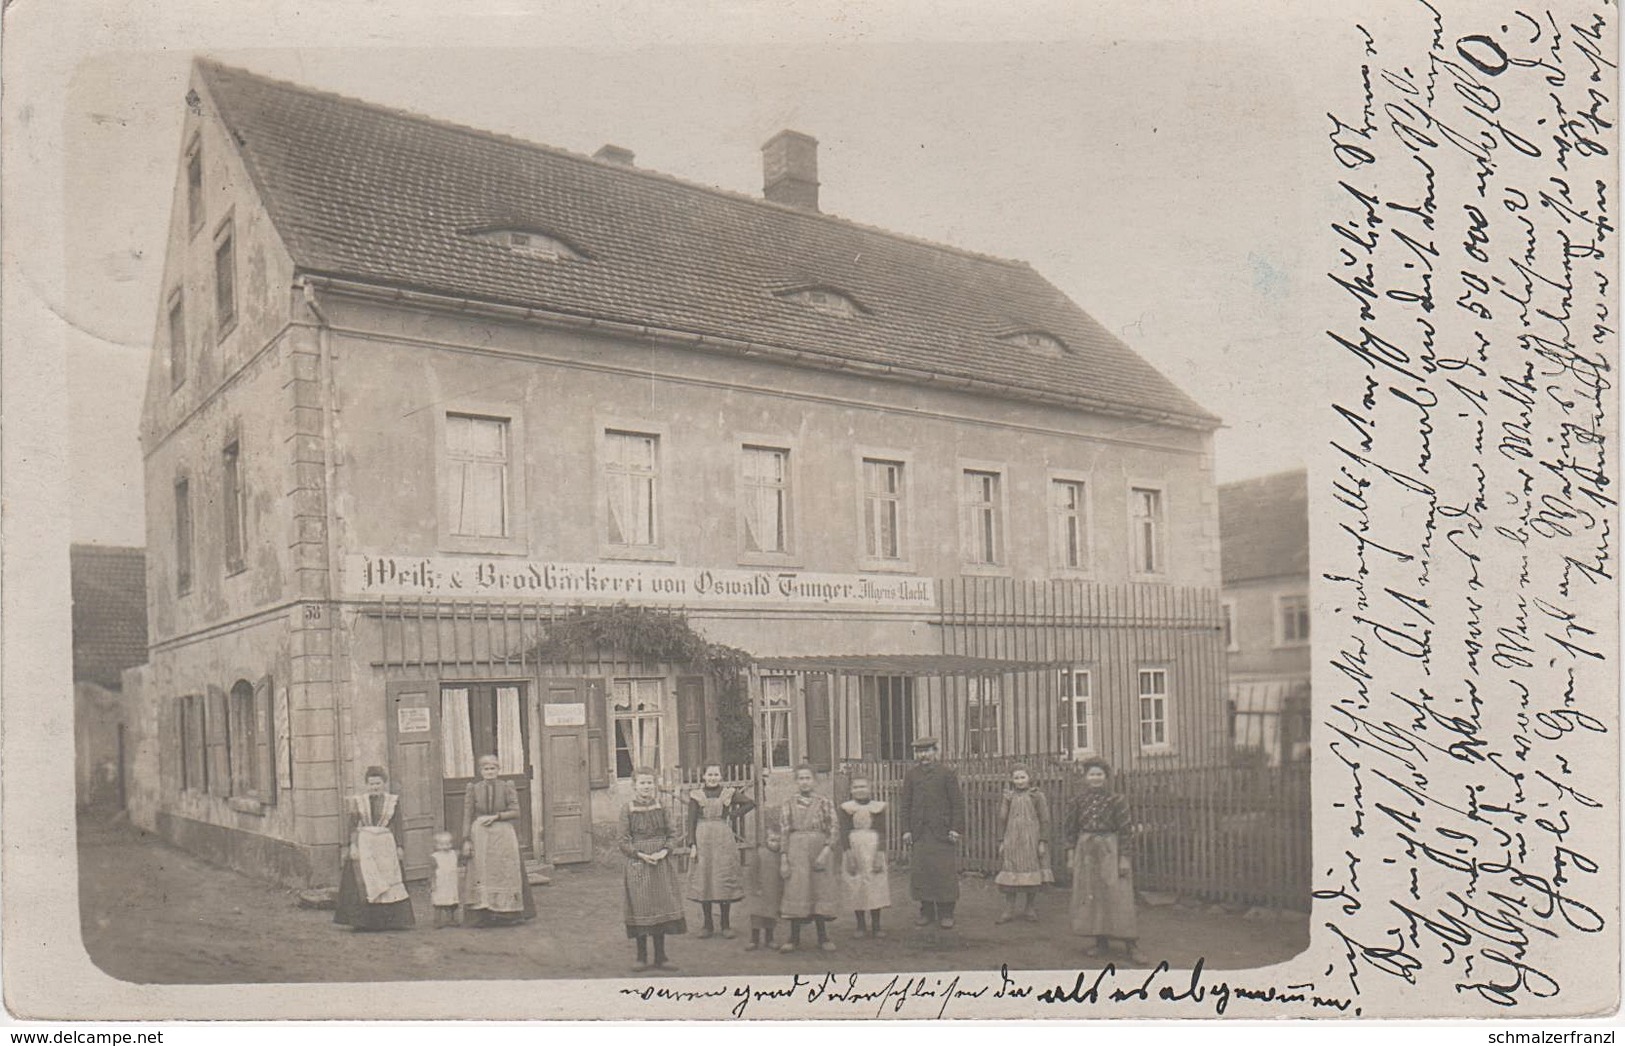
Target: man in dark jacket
x=933, y=818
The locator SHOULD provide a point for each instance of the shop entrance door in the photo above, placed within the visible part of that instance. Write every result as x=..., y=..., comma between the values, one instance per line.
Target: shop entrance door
x=477, y=719
x=566, y=816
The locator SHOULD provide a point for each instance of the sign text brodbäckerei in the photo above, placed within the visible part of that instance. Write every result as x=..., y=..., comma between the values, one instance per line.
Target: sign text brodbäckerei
x=450, y=577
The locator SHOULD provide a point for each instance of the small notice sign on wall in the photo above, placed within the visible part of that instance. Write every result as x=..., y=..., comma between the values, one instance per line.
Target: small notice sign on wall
x=564, y=715
x=412, y=720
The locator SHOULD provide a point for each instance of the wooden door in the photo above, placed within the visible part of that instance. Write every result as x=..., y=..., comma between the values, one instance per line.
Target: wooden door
x=566, y=799
x=414, y=763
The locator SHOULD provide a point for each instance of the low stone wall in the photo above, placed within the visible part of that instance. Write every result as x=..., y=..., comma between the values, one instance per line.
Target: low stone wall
x=255, y=855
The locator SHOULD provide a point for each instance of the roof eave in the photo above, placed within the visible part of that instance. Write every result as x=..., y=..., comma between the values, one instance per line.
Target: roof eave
x=350, y=286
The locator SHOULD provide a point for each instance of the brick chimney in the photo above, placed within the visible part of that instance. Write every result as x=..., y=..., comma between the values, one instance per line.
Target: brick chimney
x=614, y=154
x=790, y=170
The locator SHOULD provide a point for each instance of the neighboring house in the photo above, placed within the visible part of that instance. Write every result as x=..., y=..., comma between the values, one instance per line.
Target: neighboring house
x=109, y=636
x=418, y=389
x=1264, y=540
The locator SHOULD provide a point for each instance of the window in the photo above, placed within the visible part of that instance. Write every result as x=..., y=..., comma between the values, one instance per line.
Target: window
x=1145, y=505
x=1293, y=613
x=984, y=523
x=1068, y=538
x=637, y=708
x=1075, y=711
x=1045, y=343
x=1227, y=625
x=177, y=341
x=982, y=716
x=631, y=475
x=242, y=731
x=529, y=242
x=775, y=726
x=886, y=717
x=247, y=742
x=477, y=475
x=828, y=302
x=235, y=504
x=225, y=281
x=183, y=536
x=194, y=187
x=883, y=508
x=766, y=499
x=482, y=719
x=1153, y=708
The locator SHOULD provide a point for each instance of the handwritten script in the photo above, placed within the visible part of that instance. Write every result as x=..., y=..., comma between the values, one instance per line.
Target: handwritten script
x=1466, y=742
x=1106, y=991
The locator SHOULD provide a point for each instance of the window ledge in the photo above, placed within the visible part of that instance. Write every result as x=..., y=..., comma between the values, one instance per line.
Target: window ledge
x=236, y=568
x=1071, y=574
x=478, y=546
x=1159, y=751
x=886, y=566
x=1149, y=579
x=984, y=570
x=245, y=805
x=636, y=554
x=225, y=331
x=771, y=559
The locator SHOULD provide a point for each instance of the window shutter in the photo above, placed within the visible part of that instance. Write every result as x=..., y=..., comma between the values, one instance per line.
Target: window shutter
x=171, y=752
x=691, y=721
x=195, y=753
x=869, y=718
x=265, y=740
x=597, y=697
x=818, y=734
x=217, y=743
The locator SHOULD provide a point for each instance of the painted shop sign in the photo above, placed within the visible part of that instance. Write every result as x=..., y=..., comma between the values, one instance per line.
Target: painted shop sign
x=442, y=577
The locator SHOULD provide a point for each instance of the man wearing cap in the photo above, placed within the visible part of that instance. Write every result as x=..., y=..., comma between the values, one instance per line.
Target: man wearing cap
x=933, y=818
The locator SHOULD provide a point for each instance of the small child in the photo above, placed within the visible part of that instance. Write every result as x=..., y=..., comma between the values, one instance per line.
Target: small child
x=764, y=886
x=863, y=831
x=446, y=891
x=1024, y=828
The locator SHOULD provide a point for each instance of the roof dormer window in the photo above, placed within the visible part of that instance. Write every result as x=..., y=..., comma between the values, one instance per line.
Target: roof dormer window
x=1039, y=341
x=827, y=301
x=531, y=243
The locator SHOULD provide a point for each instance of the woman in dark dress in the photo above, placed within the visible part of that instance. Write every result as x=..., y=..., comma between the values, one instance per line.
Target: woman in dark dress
x=372, y=894
x=653, y=905
x=1097, y=834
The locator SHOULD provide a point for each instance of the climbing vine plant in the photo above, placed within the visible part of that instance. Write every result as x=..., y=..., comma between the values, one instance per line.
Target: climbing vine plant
x=653, y=634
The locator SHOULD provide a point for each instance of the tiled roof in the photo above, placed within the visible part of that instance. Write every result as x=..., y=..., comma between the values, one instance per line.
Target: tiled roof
x=1264, y=527
x=109, y=611
x=384, y=197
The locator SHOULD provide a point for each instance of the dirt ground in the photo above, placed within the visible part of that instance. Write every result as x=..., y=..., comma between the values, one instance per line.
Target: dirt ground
x=154, y=914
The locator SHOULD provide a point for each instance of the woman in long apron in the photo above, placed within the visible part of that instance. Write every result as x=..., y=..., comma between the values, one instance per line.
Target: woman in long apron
x=1098, y=833
x=372, y=894
x=808, y=865
x=716, y=876
x=863, y=869
x=498, y=889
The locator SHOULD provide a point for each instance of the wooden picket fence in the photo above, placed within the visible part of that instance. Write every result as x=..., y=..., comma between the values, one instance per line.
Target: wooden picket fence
x=1233, y=834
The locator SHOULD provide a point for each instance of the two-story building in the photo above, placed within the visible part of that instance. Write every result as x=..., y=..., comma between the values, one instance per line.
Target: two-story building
x=420, y=391
x=1264, y=533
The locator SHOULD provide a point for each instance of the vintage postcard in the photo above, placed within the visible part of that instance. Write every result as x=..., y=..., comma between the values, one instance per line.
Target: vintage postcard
x=886, y=510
